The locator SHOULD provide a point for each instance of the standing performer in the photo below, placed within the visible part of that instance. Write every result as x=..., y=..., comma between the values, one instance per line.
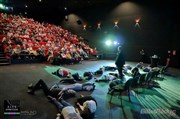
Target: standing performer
x=120, y=61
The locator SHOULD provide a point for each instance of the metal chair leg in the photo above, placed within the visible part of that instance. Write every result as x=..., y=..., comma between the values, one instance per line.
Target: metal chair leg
x=129, y=95
x=112, y=93
x=121, y=99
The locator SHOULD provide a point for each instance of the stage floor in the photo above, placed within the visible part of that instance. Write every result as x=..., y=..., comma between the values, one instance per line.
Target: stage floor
x=155, y=103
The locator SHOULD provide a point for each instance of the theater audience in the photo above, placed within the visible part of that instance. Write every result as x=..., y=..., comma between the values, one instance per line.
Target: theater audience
x=30, y=34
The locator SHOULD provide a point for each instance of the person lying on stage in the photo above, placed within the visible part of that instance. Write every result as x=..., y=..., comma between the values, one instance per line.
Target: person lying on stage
x=135, y=72
x=57, y=89
x=71, y=79
x=66, y=76
x=87, y=104
x=67, y=111
x=62, y=73
x=107, y=78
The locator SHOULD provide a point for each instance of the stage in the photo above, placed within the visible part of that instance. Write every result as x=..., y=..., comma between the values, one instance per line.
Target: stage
x=154, y=103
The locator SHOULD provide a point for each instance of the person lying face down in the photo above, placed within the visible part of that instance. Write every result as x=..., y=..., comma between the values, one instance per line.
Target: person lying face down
x=57, y=89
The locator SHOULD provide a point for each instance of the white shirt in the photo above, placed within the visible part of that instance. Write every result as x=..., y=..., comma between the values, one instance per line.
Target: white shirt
x=91, y=105
x=70, y=113
x=61, y=72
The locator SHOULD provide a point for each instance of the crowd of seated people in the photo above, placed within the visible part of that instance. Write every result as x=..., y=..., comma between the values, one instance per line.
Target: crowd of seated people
x=25, y=36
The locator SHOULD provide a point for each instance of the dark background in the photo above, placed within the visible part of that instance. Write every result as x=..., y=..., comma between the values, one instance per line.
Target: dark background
x=158, y=31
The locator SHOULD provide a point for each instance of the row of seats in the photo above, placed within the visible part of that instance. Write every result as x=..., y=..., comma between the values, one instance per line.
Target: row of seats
x=146, y=80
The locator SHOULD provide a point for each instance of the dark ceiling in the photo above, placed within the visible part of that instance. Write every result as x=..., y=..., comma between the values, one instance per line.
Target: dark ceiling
x=54, y=10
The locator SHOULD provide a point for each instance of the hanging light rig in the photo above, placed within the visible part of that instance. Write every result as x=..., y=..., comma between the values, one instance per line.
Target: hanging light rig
x=84, y=27
x=137, y=23
x=116, y=25
x=99, y=26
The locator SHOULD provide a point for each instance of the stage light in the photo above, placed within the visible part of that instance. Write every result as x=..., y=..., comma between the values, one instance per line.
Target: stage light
x=115, y=42
x=99, y=25
x=137, y=23
x=26, y=6
x=5, y=8
x=84, y=27
x=2, y=6
x=116, y=22
x=39, y=0
x=137, y=20
x=66, y=18
x=108, y=42
x=116, y=25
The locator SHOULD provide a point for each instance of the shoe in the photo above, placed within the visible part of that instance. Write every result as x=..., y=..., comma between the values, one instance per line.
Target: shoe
x=30, y=92
x=61, y=81
x=94, y=86
x=30, y=86
x=96, y=80
x=54, y=73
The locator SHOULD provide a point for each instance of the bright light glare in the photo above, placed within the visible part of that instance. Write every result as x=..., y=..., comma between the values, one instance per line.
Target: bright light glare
x=2, y=6
x=115, y=42
x=108, y=42
x=137, y=20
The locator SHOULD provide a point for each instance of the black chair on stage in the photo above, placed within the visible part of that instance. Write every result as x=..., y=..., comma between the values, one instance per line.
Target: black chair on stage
x=141, y=82
x=162, y=71
x=119, y=89
x=148, y=78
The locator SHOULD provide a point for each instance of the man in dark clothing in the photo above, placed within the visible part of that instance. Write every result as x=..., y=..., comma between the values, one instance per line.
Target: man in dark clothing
x=120, y=61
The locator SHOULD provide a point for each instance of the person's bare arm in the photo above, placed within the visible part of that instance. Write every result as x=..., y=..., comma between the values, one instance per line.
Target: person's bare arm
x=80, y=106
x=77, y=110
